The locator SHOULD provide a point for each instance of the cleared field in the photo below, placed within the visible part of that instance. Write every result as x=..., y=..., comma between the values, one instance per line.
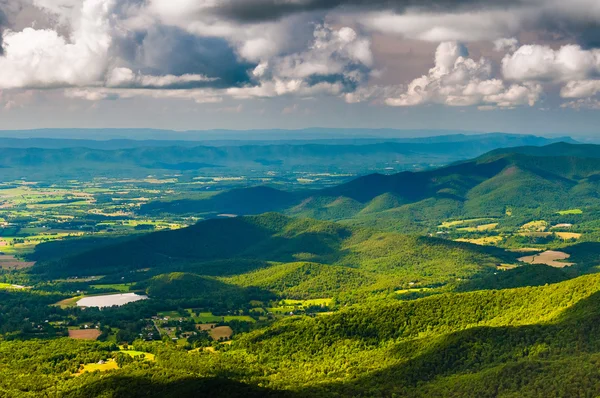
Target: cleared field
x=536, y=234
x=208, y=317
x=506, y=267
x=568, y=235
x=562, y=225
x=221, y=332
x=535, y=226
x=451, y=224
x=562, y=235
x=69, y=302
x=9, y=262
x=84, y=334
x=526, y=250
x=479, y=228
x=119, y=287
x=406, y=291
x=307, y=303
x=133, y=354
x=571, y=211
x=101, y=367
x=549, y=257
x=205, y=326
x=8, y=286
x=488, y=240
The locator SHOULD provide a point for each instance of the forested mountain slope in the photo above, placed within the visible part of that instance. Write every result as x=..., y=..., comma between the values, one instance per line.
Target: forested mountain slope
x=533, y=341
x=295, y=257
x=47, y=158
x=553, y=177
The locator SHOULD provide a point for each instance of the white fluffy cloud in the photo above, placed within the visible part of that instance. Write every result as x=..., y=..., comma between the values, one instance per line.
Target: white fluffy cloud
x=575, y=68
x=457, y=80
x=580, y=89
x=542, y=63
x=335, y=60
x=487, y=23
x=44, y=58
x=106, y=49
x=467, y=26
x=126, y=78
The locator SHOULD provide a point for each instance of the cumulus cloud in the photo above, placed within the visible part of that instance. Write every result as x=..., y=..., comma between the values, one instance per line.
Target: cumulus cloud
x=457, y=80
x=506, y=44
x=210, y=49
x=542, y=63
x=575, y=68
x=163, y=50
x=576, y=20
x=336, y=62
x=580, y=89
x=126, y=78
x=584, y=103
x=44, y=58
x=200, y=96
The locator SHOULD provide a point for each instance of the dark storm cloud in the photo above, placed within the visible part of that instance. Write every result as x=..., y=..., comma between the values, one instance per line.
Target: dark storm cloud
x=3, y=23
x=166, y=50
x=348, y=85
x=265, y=10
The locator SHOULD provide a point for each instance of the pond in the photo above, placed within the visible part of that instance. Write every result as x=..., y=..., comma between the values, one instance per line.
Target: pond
x=108, y=300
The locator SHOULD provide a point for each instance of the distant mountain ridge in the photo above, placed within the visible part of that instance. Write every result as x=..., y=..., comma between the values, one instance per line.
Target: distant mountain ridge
x=307, y=134
x=358, y=156
x=554, y=177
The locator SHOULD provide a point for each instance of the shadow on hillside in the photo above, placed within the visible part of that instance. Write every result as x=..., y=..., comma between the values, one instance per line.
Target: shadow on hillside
x=586, y=257
x=144, y=387
x=575, y=332
x=211, y=241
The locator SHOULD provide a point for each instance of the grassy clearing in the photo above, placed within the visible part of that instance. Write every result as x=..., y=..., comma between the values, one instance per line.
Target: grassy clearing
x=8, y=286
x=535, y=226
x=208, y=317
x=568, y=235
x=119, y=287
x=101, y=367
x=451, y=224
x=479, y=228
x=488, y=240
x=562, y=235
x=133, y=353
x=308, y=303
x=569, y=212
x=413, y=290
x=69, y=302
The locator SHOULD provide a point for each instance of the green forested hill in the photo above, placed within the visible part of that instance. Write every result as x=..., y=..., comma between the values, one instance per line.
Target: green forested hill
x=298, y=258
x=72, y=158
x=526, y=342
x=552, y=178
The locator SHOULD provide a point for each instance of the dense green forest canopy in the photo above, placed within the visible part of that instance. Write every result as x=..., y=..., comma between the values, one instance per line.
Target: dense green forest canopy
x=302, y=258
x=533, y=341
x=527, y=179
x=370, y=288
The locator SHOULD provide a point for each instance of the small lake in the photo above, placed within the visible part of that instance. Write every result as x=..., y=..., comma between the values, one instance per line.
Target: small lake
x=108, y=300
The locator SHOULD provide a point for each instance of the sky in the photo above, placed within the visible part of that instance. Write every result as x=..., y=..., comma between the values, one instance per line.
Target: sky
x=524, y=66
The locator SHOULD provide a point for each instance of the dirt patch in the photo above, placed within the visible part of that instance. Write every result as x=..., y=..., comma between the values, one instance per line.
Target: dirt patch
x=525, y=250
x=221, y=332
x=205, y=326
x=84, y=334
x=550, y=257
x=8, y=262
